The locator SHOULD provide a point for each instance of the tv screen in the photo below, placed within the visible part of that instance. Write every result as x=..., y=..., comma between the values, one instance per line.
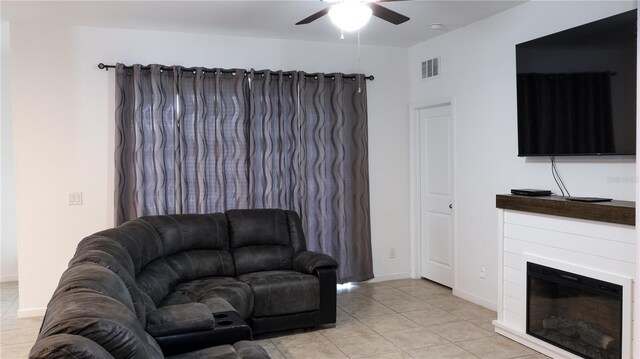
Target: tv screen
x=577, y=90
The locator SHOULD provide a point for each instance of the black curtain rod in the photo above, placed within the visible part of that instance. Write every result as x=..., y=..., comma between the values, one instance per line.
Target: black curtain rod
x=102, y=66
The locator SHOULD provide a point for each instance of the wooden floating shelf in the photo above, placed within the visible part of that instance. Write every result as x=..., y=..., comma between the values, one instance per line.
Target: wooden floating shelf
x=620, y=212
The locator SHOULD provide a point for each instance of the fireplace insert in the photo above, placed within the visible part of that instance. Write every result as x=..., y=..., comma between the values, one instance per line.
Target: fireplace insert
x=579, y=314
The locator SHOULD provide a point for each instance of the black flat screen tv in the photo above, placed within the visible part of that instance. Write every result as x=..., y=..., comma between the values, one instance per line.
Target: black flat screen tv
x=577, y=90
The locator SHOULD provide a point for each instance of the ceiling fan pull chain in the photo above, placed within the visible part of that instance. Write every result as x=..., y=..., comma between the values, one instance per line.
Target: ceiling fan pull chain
x=341, y=34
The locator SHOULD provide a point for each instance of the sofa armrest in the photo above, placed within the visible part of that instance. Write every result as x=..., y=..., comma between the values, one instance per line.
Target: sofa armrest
x=177, y=319
x=307, y=261
x=328, y=299
x=63, y=346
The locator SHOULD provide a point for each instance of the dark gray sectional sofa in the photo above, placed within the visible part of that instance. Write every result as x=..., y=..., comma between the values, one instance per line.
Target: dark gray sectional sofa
x=157, y=286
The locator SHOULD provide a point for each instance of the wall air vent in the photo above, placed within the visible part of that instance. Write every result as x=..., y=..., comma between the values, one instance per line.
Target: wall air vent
x=431, y=68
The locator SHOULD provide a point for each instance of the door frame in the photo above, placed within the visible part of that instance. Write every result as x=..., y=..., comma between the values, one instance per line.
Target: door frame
x=415, y=225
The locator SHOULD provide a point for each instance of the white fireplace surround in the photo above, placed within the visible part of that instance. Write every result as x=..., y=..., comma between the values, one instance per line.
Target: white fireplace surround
x=599, y=250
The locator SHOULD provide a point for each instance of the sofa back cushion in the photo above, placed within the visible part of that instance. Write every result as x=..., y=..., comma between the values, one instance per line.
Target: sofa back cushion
x=298, y=241
x=250, y=227
x=140, y=239
x=108, y=245
x=193, y=246
x=184, y=232
x=259, y=240
x=65, y=346
x=97, y=250
x=94, y=278
x=91, y=301
x=157, y=279
x=201, y=263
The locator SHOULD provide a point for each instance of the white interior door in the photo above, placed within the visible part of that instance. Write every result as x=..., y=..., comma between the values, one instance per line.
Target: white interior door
x=436, y=195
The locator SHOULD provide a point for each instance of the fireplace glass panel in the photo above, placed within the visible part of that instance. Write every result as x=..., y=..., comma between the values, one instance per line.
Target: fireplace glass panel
x=576, y=313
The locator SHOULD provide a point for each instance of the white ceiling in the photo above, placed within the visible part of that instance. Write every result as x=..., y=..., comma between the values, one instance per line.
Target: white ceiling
x=265, y=19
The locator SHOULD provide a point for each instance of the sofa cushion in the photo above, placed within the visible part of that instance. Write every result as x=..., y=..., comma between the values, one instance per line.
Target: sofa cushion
x=238, y=294
x=101, y=319
x=96, y=278
x=183, y=232
x=160, y=277
x=259, y=240
x=112, y=263
x=241, y=350
x=250, y=350
x=201, y=263
x=177, y=319
x=157, y=279
x=218, y=305
x=108, y=245
x=298, y=241
x=140, y=239
x=64, y=346
x=282, y=292
x=262, y=258
x=258, y=226
x=194, y=245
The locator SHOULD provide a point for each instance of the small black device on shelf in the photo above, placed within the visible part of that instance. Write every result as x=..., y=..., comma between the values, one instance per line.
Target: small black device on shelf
x=531, y=192
x=588, y=199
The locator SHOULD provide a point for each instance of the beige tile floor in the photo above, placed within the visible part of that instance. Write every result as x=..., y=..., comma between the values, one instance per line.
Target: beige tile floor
x=16, y=335
x=407, y=318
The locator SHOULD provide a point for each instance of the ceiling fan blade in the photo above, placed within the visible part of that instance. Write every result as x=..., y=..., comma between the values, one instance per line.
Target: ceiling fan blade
x=386, y=14
x=313, y=17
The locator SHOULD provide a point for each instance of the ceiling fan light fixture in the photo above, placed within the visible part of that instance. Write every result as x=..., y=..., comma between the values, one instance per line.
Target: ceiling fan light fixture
x=350, y=15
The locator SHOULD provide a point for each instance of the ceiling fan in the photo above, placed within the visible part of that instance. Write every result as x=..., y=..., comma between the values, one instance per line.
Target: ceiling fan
x=350, y=8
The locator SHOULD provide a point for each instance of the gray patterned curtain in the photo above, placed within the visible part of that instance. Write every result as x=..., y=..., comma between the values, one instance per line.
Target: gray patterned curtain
x=181, y=143
x=274, y=148
x=196, y=141
x=333, y=192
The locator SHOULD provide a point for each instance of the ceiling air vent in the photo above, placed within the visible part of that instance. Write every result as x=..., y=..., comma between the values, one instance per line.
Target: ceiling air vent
x=431, y=68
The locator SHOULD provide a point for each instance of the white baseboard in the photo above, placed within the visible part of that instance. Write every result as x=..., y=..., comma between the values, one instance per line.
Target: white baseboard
x=8, y=278
x=382, y=278
x=475, y=299
x=31, y=312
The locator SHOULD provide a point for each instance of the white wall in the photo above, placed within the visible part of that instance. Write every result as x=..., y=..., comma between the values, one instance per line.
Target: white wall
x=63, y=123
x=8, y=238
x=479, y=74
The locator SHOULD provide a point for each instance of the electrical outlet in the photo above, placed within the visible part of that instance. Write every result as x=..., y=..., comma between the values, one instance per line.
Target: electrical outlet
x=483, y=272
x=392, y=253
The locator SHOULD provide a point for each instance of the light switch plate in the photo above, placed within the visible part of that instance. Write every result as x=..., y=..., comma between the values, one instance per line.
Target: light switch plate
x=75, y=199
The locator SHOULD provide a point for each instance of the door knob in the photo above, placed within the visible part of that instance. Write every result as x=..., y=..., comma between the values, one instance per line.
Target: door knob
x=450, y=206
